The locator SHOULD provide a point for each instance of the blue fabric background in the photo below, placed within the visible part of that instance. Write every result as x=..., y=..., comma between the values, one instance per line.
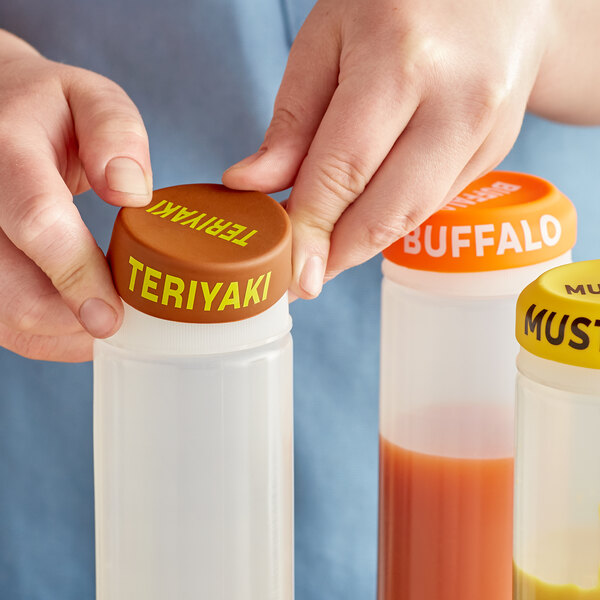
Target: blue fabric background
x=204, y=74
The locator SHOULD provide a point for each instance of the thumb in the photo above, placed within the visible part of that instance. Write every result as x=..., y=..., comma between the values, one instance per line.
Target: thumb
x=113, y=143
x=308, y=84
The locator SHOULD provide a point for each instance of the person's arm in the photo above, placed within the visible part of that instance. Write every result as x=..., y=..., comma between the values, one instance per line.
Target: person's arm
x=389, y=108
x=62, y=131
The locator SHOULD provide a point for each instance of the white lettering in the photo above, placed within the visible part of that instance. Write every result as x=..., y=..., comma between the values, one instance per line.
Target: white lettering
x=441, y=249
x=530, y=245
x=457, y=241
x=480, y=241
x=509, y=240
x=545, y=222
x=412, y=244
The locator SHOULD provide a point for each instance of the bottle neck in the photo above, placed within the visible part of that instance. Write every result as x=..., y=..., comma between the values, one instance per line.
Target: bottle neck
x=578, y=380
x=145, y=334
x=506, y=282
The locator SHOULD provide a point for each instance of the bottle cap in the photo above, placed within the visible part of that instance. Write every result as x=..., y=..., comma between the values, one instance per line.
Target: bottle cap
x=202, y=253
x=501, y=221
x=558, y=315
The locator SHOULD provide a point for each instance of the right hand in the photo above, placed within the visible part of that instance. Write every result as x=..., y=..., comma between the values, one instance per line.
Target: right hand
x=62, y=131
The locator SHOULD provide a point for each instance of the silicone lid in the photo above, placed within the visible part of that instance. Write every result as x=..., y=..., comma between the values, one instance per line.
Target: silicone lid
x=558, y=315
x=501, y=221
x=202, y=253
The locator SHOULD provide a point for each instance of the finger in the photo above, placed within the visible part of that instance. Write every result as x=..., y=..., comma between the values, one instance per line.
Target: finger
x=113, y=143
x=75, y=347
x=309, y=81
x=28, y=300
x=38, y=216
x=419, y=175
x=364, y=119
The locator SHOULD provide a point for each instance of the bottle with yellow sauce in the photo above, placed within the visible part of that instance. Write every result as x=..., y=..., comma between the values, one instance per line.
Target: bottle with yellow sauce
x=557, y=465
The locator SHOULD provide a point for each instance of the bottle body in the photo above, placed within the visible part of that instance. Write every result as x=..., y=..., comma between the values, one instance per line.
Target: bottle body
x=446, y=444
x=557, y=481
x=194, y=472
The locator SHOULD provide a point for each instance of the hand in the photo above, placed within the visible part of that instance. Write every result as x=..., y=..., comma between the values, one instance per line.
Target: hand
x=387, y=110
x=62, y=130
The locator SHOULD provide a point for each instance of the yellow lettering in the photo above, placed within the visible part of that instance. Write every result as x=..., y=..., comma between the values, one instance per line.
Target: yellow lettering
x=184, y=213
x=235, y=230
x=173, y=292
x=191, y=295
x=155, y=206
x=167, y=211
x=217, y=228
x=193, y=223
x=203, y=225
x=244, y=240
x=231, y=297
x=136, y=266
x=252, y=291
x=209, y=295
x=149, y=284
x=266, y=288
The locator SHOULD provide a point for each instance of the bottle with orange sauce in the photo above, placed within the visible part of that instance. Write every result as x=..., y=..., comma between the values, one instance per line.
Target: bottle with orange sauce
x=447, y=386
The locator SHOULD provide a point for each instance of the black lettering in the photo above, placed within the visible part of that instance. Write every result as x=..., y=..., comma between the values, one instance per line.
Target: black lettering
x=560, y=338
x=591, y=289
x=578, y=290
x=578, y=332
x=534, y=324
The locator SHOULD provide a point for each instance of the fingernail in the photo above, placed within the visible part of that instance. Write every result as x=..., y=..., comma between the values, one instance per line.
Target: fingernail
x=246, y=162
x=311, y=278
x=97, y=317
x=126, y=175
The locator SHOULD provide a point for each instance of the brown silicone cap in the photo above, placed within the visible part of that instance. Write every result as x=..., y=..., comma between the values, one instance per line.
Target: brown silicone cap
x=202, y=254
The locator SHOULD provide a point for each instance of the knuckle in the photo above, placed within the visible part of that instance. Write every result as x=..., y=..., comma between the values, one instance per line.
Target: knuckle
x=342, y=176
x=420, y=53
x=24, y=344
x=317, y=221
x=112, y=122
x=71, y=277
x=286, y=117
x=381, y=233
x=35, y=222
x=484, y=101
x=25, y=313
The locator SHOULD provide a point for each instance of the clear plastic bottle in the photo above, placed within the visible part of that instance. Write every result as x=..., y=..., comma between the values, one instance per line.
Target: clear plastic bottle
x=557, y=465
x=447, y=386
x=193, y=403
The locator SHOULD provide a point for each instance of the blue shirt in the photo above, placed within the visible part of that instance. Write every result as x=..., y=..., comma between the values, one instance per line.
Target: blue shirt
x=204, y=74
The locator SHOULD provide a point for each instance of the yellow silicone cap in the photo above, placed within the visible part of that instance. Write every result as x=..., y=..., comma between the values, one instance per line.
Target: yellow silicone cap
x=558, y=315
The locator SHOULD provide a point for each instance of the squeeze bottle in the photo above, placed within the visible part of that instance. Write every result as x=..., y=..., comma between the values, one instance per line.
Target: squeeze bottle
x=557, y=465
x=193, y=402
x=447, y=386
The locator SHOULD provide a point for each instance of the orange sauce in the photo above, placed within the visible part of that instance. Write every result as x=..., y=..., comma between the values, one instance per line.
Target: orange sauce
x=445, y=527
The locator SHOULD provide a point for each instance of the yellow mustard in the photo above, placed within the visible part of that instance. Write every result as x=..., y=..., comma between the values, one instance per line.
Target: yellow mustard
x=527, y=587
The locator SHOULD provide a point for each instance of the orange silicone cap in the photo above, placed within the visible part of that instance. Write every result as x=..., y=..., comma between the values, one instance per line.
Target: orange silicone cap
x=501, y=221
x=202, y=254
